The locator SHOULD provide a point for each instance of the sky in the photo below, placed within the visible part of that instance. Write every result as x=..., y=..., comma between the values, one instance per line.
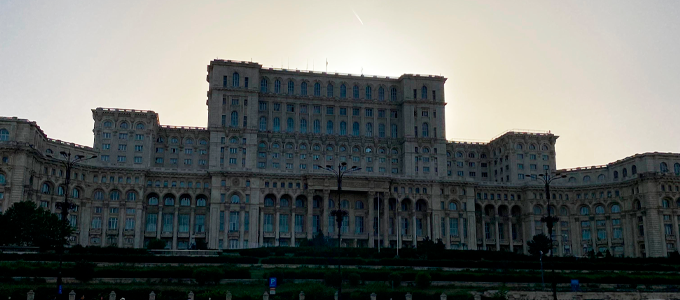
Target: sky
x=603, y=75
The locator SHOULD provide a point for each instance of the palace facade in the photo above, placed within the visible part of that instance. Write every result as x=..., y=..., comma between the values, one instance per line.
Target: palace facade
x=256, y=175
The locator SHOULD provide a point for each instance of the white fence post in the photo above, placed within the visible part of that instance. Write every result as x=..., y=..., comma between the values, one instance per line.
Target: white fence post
x=152, y=296
x=30, y=295
x=373, y=296
x=228, y=297
x=112, y=296
x=72, y=295
x=265, y=296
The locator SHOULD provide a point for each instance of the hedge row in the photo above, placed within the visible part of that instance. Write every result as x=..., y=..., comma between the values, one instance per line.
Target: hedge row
x=468, y=276
x=76, y=270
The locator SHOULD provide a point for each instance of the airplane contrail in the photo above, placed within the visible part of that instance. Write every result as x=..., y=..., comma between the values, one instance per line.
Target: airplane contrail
x=356, y=15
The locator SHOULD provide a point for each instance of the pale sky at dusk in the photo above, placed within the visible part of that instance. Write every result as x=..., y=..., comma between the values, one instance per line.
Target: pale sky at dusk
x=603, y=75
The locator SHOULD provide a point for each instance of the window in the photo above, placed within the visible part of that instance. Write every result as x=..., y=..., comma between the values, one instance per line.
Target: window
x=303, y=125
x=317, y=126
x=368, y=92
x=329, y=90
x=584, y=210
x=303, y=89
x=343, y=91
x=234, y=119
x=425, y=129
x=199, y=224
x=599, y=210
x=277, y=124
x=4, y=135
x=277, y=86
x=317, y=89
x=355, y=92
x=235, y=80
x=369, y=129
x=291, y=87
x=290, y=125
x=263, y=85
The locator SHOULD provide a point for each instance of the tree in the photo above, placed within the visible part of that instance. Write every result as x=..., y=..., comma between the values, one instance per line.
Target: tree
x=33, y=226
x=539, y=243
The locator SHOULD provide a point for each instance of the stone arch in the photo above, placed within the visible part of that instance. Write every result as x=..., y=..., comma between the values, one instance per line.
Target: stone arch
x=421, y=205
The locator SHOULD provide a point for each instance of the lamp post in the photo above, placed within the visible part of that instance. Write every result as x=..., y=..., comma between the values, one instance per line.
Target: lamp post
x=339, y=214
x=550, y=220
x=66, y=205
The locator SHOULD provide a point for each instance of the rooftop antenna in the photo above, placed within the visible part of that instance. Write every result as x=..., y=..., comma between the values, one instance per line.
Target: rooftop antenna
x=362, y=70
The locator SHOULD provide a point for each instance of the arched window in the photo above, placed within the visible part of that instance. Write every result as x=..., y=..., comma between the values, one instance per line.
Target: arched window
x=317, y=126
x=114, y=195
x=453, y=206
x=344, y=204
x=355, y=129
x=317, y=89
x=235, y=199
x=124, y=125
x=46, y=188
x=381, y=130
x=369, y=129
x=169, y=200
x=153, y=200
x=290, y=125
x=538, y=210
x=564, y=211
x=358, y=205
x=426, y=129
x=4, y=135
x=131, y=196
x=303, y=88
x=616, y=174
x=600, y=178
x=234, y=119
x=75, y=193
x=269, y=201
x=393, y=131
x=277, y=124
x=291, y=87
x=235, y=80
x=140, y=126
x=625, y=172
x=329, y=127
x=300, y=201
x=633, y=170
x=423, y=92
x=285, y=202
x=60, y=190
x=201, y=201
x=676, y=168
x=369, y=91
x=584, y=210
x=343, y=91
x=519, y=146
x=263, y=85
x=665, y=203
x=355, y=92
x=343, y=128
x=263, y=123
x=393, y=94
x=586, y=179
x=599, y=210
x=277, y=86
x=637, y=205
x=329, y=90
x=98, y=195
x=616, y=208
x=544, y=147
x=303, y=125
x=108, y=124
x=381, y=94
x=663, y=167
x=189, y=141
x=331, y=203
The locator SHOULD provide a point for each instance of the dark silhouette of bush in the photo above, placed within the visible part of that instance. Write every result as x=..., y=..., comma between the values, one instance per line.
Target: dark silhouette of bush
x=354, y=279
x=395, y=279
x=423, y=280
x=208, y=275
x=83, y=271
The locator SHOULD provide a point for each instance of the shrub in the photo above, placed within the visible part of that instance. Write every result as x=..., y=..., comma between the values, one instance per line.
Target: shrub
x=156, y=244
x=354, y=279
x=395, y=279
x=332, y=278
x=84, y=271
x=208, y=275
x=423, y=280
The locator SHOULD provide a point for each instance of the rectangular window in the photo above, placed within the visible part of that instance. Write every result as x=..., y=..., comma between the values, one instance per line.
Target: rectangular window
x=283, y=223
x=369, y=112
x=329, y=110
x=183, y=223
x=199, y=224
x=299, y=223
x=358, y=225
x=168, y=219
x=268, y=223
x=343, y=111
x=233, y=221
x=277, y=106
x=113, y=223
x=96, y=223
x=453, y=227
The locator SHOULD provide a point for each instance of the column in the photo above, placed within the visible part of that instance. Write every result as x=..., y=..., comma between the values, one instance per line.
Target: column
x=85, y=221
x=159, y=219
x=576, y=245
x=292, y=228
x=175, y=227
x=398, y=230
x=310, y=214
x=192, y=217
x=241, y=229
x=610, y=234
x=447, y=237
x=371, y=212
x=139, y=222
x=429, y=226
x=386, y=221
x=225, y=233
x=121, y=225
x=105, y=224
x=512, y=247
x=325, y=212
x=414, y=229
x=260, y=239
x=277, y=230
x=498, y=235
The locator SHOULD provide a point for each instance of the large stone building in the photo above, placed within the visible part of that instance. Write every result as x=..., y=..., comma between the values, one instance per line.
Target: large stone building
x=251, y=178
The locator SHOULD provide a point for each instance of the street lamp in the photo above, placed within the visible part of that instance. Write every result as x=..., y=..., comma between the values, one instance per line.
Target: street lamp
x=66, y=205
x=550, y=220
x=339, y=214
